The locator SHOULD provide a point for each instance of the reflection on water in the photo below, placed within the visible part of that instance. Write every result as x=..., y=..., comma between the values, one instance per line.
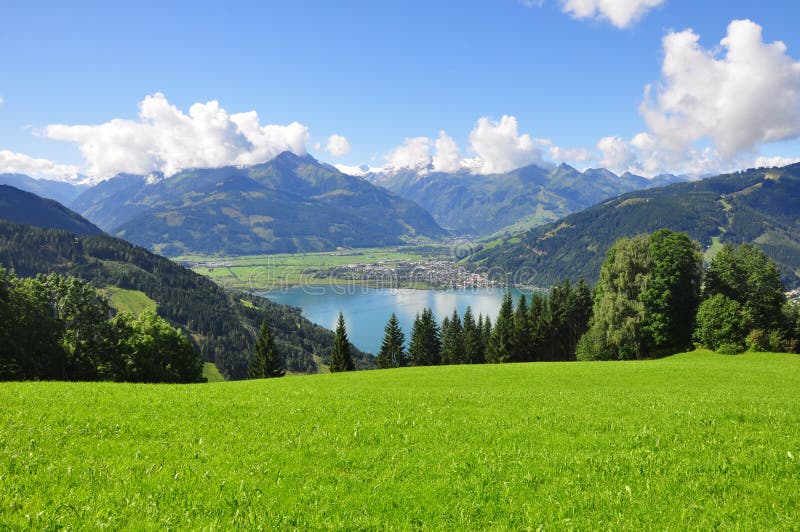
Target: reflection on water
x=366, y=310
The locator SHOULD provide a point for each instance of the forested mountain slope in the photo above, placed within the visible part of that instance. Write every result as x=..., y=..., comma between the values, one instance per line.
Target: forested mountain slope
x=19, y=206
x=760, y=206
x=223, y=324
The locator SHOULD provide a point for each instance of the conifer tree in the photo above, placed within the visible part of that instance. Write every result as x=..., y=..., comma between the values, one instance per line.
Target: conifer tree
x=522, y=332
x=501, y=343
x=539, y=323
x=472, y=338
x=453, y=340
x=486, y=335
x=266, y=362
x=341, y=360
x=426, y=346
x=392, y=353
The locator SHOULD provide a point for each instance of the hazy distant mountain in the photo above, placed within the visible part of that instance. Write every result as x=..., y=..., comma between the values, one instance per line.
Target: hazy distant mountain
x=60, y=191
x=523, y=198
x=21, y=207
x=289, y=204
x=760, y=206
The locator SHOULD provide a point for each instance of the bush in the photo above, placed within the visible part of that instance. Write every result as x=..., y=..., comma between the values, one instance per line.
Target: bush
x=730, y=349
x=721, y=321
x=757, y=340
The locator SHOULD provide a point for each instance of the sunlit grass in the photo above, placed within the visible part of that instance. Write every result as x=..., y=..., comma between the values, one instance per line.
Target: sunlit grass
x=693, y=441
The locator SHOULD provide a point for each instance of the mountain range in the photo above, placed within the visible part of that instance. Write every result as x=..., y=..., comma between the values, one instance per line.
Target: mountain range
x=289, y=204
x=758, y=206
x=520, y=199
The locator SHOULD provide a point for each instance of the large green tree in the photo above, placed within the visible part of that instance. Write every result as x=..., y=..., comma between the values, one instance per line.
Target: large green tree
x=673, y=293
x=501, y=347
x=722, y=323
x=425, y=348
x=341, y=360
x=746, y=275
x=473, y=350
x=453, y=340
x=266, y=362
x=392, y=353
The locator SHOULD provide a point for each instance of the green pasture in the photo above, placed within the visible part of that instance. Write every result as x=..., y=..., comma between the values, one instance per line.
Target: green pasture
x=694, y=441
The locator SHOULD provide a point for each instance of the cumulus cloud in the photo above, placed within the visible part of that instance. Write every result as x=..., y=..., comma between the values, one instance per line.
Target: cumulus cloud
x=166, y=139
x=19, y=163
x=499, y=146
x=744, y=94
x=769, y=162
x=578, y=155
x=337, y=146
x=447, y=157
x=413, y=153
x=620, y=13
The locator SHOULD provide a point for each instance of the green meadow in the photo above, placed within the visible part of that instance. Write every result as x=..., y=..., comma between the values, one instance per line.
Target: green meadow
x=261, y=272
x=697, y=440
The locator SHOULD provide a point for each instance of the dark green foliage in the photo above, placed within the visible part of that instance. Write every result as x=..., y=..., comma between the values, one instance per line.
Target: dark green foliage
x=721, y=322
x=20, y=207
x=59, y=328
x=453, y=348
x=673, y=293
x=426, y=344
x=289, y=204
x=757, y=206
x=523, y=337
x=501, y=347
x=473, y=348
x=746, y=275
x=486, y=336
x=222, y=324
x=392, y=353
x=341, y=360
x=266, y=362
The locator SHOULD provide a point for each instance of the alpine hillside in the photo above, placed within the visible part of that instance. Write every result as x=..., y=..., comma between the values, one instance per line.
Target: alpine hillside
x=757, y=205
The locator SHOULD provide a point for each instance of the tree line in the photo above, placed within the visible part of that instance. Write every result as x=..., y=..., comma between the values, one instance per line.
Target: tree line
x=61, y=328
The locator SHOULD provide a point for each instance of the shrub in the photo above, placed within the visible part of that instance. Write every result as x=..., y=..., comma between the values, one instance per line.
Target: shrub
x=721, y=321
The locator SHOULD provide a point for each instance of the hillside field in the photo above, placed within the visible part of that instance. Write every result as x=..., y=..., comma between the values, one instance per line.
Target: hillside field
x=697, y=440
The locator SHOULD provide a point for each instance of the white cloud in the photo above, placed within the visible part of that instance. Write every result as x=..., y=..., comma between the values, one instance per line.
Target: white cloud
x=413, y=153
x=19, y=163
x=337, y=146
x=447, y=158
x=2, y=101
x=620, y=13
x=166, y=139
x=746, y=96
x=617, y=155
x=499, y=146
x=579, y=155
x=769, y=162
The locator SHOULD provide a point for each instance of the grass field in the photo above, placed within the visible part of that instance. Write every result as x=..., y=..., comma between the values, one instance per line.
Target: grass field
x=697, y=440
x=264, y=272
x=132, y=301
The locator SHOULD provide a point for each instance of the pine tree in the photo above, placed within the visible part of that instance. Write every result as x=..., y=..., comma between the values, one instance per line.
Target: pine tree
x=486, y=336
x=266, y=362
x=453, y=341
x=392, y=353
x=522, y=332
x=340, y=354
x=472, y=338
x=539, y=321
x=426, y=346
x=501, y=342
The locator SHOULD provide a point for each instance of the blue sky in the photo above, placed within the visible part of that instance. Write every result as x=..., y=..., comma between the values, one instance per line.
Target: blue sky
x=374, y=72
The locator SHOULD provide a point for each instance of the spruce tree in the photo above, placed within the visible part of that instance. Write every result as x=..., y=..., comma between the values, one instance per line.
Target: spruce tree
x=426, y=346
x=539, y=322
x=392, y=353
x=472, y=338
x=453, y=341
x=266, y=362
x=341, y=360
x=486, y=335
x=522, y=332
x=501, y=343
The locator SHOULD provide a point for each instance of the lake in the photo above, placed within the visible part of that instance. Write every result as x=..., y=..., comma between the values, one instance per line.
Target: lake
x=366, y=310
